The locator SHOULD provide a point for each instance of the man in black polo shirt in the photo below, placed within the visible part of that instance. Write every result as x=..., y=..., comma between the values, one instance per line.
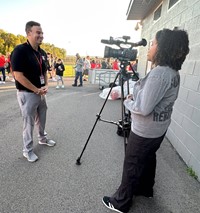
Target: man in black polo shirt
x=29, y=65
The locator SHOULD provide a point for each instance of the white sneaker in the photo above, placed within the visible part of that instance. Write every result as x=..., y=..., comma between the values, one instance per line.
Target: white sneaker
x=48, y=142
x=57, y=87
x=30, y=156
x=62, y=86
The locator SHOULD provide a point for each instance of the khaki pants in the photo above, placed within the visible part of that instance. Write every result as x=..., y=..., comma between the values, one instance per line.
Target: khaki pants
x=33, y=109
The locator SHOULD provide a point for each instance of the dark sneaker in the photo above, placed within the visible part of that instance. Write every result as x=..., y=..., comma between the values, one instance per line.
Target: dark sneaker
x=74, y=85
x=48, y=142
x=30, y=156
x=109, y=205
x=80, y=85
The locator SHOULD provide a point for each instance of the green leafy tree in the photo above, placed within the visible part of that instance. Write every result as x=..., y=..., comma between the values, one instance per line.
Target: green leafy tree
x=21, y=39
x=9, y=41
x=1, y=45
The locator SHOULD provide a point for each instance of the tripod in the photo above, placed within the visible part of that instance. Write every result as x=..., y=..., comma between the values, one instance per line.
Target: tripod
x=123, y=124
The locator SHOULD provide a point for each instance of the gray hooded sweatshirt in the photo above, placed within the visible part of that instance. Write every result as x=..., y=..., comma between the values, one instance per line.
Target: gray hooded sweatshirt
x=153, y=100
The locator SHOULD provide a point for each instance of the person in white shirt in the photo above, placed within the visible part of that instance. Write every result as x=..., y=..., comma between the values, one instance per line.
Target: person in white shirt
x=86, y=68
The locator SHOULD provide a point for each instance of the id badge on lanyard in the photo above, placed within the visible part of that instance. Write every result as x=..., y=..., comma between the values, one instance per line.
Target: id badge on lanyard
x=42, y=79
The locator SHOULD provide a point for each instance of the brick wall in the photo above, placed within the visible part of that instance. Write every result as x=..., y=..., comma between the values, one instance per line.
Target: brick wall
x=184, y=131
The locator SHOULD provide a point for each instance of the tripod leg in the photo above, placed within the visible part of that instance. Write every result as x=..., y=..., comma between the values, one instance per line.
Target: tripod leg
x=79, y=158
x=125, y=116
x=123, y=111
x=98, y=117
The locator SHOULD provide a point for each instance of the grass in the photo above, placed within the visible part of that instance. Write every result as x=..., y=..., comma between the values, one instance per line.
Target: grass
x=192, y=173
x=69, y=71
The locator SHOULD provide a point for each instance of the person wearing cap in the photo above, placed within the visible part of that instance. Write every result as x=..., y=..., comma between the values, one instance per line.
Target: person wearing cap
x=79, y=71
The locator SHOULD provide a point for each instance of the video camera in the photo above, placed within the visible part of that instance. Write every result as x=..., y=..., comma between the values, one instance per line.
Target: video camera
x=123, y=54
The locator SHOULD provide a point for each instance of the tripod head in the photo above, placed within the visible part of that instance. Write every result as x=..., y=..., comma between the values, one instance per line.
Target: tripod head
x=128, y=74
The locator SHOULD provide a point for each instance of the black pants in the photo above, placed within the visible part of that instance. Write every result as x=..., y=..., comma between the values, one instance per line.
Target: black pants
x=78, y=75
x=2, y=69
x=138, y=171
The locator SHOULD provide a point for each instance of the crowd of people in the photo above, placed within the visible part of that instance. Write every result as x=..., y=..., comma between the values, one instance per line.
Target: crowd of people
x=83, y=65
x=107, y=63
x=54, y=68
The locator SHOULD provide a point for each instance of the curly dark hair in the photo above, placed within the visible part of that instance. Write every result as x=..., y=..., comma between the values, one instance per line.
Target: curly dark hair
x=172, y=48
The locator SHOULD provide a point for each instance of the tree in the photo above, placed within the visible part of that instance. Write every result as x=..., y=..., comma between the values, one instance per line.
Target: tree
x=9, y=41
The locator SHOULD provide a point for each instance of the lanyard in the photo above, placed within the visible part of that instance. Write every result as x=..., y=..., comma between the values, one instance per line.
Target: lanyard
x=39, y=62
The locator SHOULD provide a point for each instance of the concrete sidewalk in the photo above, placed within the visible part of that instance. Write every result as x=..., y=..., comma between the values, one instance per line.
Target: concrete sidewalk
x=55, y=184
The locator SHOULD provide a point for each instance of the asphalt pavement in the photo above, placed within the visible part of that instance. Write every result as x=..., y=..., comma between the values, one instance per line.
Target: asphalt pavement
x=55, y=184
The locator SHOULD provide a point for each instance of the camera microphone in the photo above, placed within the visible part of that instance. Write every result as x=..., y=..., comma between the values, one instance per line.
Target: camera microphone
x=104, y=41
x=143, y=42
x=110, y=41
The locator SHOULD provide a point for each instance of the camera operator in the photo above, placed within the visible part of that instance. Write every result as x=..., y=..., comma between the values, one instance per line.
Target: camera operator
x=151, y=106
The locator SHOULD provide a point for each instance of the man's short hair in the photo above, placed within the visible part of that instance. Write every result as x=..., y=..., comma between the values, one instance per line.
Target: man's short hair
x=30, y=24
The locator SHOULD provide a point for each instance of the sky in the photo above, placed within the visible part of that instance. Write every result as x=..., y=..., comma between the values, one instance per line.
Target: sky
x=75, y=25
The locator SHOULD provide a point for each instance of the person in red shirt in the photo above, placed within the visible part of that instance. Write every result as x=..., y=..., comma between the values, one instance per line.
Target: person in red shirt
x=115, y=65
x=2, y=69
x=93, y=64
x=98, y=64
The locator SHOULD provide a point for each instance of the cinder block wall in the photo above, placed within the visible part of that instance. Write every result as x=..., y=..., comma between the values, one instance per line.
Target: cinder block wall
x=184, y=131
